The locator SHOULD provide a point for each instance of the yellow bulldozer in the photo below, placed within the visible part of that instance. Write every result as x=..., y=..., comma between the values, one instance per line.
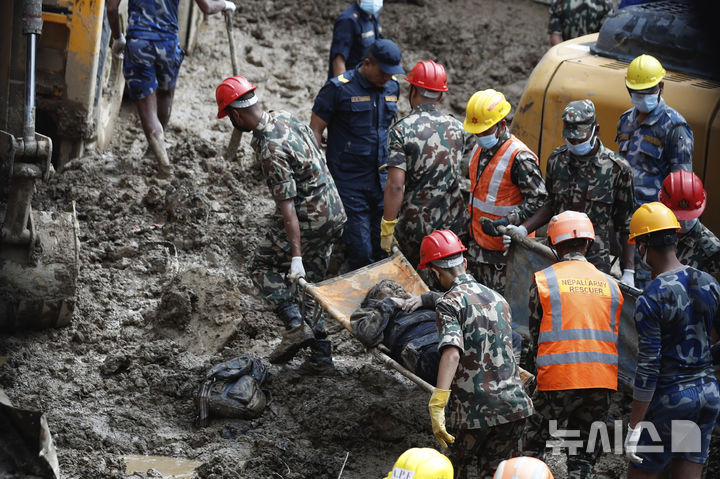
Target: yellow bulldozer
x=594, y=67
x=60, y=92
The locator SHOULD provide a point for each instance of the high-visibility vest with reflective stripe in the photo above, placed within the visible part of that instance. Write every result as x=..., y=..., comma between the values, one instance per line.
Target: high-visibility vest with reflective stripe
x=493, y=194
x=577, y=346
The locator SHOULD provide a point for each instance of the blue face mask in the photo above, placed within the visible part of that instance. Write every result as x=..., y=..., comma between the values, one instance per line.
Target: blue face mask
x=371, y=6
x=645, y=102
x=487, y=141
x=687, y=225
x=582, y=149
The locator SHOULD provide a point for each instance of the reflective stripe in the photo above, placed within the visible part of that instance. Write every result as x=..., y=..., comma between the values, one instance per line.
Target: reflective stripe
x=576, y=358
x=558, y=333
x=491, y=208
x=488, y=205
x=574, y=234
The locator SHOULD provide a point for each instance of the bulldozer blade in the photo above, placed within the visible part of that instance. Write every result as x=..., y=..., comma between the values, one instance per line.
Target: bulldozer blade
x=37, y=291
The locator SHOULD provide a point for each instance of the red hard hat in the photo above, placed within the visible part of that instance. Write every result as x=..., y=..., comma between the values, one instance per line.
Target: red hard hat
x=428, y=75
x=230, y=90
x=437, y=245
x=683, y=192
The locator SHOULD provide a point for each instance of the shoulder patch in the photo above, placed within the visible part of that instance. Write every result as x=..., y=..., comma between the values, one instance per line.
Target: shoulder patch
x=391, y=98
x=355, y=15
x=341, y=78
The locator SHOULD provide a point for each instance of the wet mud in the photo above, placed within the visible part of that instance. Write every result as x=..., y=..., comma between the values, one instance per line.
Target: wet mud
x=164, y=293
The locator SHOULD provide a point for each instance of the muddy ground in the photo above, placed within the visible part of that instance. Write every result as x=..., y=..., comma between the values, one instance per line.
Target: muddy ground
x=163, y=264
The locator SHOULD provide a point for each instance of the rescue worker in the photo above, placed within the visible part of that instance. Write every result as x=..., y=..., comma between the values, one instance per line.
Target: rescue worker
x=421, y=463
x=477, y=372
x=584, y=175
x=653, y=137
x=523, y=467
x=574, y=319
x=506, y=185
x=575, y=18
x=355, y=30
x=357, y=108
x=152, y=59
x=683, y=192
x=308, y=218
x=426, y=149
x=675, y=383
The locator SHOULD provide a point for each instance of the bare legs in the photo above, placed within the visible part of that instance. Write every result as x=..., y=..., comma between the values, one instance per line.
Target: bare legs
x=154, y=111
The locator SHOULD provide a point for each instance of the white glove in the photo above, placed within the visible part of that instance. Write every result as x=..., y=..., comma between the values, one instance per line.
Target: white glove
x=628, y=277
x=118, y=46
x=520, y=230
x=229, y=6
x=631, y=443
x=297, y=270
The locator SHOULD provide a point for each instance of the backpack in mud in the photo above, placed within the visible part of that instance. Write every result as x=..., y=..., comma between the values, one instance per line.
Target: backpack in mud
x=232, y=389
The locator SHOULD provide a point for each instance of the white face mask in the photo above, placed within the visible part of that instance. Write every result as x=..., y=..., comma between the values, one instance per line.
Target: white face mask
x=371, y=6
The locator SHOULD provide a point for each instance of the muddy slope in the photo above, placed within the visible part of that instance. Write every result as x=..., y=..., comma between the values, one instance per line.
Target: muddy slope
x=164, y=282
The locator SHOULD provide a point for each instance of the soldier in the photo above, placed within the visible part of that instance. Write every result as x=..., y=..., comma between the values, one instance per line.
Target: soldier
x=575, y=18
x=584, y=175
x=653, y=137
x=355, y=30
x=675, y=386
x=357, y=108
x=308, y=219
x=683, y=193
x=426, y=149
x=574, y=319
x=506, y=185
x=152, y=59
x=489, y=404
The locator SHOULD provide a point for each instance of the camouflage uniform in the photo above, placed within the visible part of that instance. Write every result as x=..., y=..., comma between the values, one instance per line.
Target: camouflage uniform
x=700, y=248
x=487, y=265
x=575, y=18
x=601, y=185
x=487, y=393
x=429, y=146
x=573, y=409
x=294, y=167
x=674, y=317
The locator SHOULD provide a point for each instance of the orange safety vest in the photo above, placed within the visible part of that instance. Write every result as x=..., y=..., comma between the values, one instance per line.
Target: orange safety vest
x=577, y=346
x=492, y=192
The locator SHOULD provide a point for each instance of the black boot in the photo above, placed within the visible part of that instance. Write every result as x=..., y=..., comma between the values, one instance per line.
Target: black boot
x=320, y=360
x=297, y=334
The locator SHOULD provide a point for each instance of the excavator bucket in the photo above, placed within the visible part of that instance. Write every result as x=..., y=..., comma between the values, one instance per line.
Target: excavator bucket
x=525, y=257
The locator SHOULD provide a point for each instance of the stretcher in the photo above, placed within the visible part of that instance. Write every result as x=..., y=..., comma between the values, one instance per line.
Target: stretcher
x=525, y=257
x=341, y=296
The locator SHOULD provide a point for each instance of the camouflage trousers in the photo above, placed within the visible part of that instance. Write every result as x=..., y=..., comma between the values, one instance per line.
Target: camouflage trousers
x=486, y=447
x=574, y=409
x=270, y=262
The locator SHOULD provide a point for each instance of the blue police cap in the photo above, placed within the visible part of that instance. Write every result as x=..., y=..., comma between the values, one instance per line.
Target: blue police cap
x=388, y=56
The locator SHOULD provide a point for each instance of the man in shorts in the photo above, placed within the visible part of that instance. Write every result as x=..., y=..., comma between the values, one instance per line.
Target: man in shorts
x=152, y=59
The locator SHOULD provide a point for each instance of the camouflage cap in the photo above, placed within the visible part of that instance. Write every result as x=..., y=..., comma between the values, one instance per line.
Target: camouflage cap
x=578, y=118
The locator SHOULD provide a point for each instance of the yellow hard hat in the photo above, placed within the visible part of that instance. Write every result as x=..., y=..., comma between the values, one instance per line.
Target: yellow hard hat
x=651, y=217
x=644, y=72
x=422, y=463
x=484, y=109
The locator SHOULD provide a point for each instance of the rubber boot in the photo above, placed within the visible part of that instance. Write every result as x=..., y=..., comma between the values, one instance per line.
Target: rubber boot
x=320, y=360
x=297, y=334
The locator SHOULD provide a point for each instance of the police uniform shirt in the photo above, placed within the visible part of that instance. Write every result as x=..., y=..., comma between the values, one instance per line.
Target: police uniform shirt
x=354, y=31
x=359, y=115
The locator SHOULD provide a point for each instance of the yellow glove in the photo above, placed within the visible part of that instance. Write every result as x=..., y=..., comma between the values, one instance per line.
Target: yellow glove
x=387, y=228
x=438, y=400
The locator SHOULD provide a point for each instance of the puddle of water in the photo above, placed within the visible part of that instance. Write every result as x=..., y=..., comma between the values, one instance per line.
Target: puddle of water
x=171, y=467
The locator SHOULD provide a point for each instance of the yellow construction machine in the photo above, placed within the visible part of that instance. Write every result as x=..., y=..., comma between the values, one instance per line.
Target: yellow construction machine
x=60, y=91
x=594, y=67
